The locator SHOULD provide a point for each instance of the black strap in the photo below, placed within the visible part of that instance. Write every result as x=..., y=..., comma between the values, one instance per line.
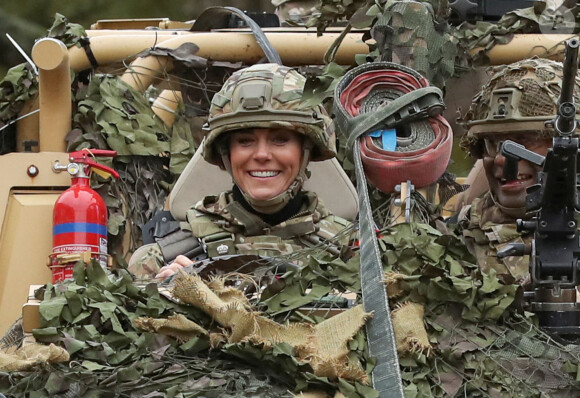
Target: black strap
x=216, y=18
x=181, y=242
x=86, y=44
x=161, y=225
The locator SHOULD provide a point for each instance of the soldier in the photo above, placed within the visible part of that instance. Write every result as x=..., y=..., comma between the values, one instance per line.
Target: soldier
x=261, y=133
x=513, y=105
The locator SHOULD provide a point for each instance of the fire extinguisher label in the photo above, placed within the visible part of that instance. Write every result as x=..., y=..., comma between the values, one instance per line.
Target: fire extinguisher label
x=68, y=249
x=103, y=250
x=79, y=237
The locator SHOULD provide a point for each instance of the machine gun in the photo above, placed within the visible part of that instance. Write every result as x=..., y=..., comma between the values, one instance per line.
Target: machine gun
x=554, y=201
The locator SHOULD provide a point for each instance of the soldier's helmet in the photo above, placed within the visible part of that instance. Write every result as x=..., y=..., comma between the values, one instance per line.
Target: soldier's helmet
x=519, y=98
x=267, y=96
x=296, y=12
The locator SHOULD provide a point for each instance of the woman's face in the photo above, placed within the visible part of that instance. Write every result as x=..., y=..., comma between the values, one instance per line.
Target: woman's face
x=265, y=161
x=512, y=193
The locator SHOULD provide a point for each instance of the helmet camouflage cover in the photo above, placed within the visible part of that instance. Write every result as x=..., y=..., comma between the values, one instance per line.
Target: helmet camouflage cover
x=519, y=98
x=267, y=96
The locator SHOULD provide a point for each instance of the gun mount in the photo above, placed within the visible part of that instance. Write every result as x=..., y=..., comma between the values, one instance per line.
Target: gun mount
x=554, y=203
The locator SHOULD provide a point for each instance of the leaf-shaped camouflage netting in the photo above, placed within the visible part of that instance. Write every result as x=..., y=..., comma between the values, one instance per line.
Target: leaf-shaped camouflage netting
x=93, y=317
x=476, y=344
x=18, y=90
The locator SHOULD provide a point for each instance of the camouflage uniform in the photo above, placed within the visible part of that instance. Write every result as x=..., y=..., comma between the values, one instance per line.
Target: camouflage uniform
x=486, y=230
x=518, y=99
x=261, y=96
x=225, y=227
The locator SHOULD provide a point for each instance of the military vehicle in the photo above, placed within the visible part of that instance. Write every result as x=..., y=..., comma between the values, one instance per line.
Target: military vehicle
x=28, y=198
x=143, y=87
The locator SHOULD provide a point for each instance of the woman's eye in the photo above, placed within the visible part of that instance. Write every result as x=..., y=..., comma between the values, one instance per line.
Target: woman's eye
x=280, y=140
x=244, y=140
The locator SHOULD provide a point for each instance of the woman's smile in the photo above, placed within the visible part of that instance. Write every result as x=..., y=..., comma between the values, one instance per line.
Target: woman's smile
x=264, y=173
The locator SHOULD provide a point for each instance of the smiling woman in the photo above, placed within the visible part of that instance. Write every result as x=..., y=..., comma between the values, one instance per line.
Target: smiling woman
x=261, y=133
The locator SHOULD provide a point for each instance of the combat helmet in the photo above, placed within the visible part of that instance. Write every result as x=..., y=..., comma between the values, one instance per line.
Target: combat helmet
x=268, y=96
x=519, y=98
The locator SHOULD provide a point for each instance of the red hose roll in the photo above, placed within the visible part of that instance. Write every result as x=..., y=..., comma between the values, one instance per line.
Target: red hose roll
x=422, y=163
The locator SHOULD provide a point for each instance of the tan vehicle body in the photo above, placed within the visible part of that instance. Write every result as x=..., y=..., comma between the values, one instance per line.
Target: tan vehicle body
x=29, y=186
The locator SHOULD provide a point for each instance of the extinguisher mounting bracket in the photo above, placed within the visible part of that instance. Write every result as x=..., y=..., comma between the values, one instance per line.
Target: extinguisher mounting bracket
x=85, y=157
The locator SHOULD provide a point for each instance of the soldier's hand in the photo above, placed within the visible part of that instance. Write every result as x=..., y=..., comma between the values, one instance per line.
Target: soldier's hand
x=179, y=262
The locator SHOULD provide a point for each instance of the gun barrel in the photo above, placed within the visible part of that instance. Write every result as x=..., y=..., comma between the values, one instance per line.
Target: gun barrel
x=570, y=69
x=565, y=121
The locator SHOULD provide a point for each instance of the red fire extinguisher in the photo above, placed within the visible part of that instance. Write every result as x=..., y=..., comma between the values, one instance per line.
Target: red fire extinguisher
x=79, y=230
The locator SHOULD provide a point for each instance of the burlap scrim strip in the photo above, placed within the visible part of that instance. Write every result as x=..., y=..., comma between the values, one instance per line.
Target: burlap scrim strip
x=177, y=326
x=394, y=283
x=323, y=345
x=410, y=333
x=30, y=355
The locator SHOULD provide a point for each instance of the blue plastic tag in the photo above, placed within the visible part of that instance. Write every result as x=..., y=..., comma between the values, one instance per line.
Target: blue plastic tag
x=388, y=138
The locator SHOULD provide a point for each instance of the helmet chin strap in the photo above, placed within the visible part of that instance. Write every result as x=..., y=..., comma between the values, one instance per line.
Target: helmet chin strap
x=515, y=212
x=278, y=202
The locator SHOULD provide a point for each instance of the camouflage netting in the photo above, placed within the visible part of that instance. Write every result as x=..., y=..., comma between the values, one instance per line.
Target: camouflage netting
x=470, y=341
x=93, y=317
x=110, y=115
x=458, y=332
x=18, y=87
x=418, y=34
x=129, y=341
x=541, y=18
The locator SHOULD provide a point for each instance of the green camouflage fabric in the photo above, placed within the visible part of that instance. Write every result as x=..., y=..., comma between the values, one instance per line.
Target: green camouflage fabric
x=149, y=265
x=239, y=106
x=296, y=12
x=546, y=17
x=226, y=228
x=407, y=33
x=19, y=86
x=519, y=97
x=478, y=345
x=484, y=238
x=69, y=33
x=114, y=115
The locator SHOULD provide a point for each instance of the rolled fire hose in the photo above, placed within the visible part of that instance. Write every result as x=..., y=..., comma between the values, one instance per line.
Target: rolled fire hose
x=420, y=145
